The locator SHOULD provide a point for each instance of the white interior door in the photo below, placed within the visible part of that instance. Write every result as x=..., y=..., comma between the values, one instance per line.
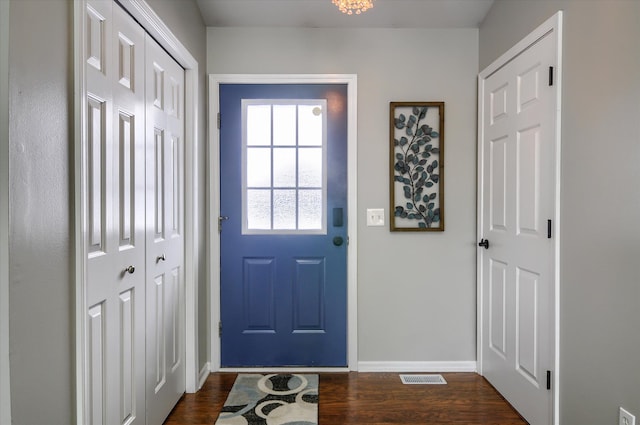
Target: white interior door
x=116, y=217
x=165, y=230
x=517, y=199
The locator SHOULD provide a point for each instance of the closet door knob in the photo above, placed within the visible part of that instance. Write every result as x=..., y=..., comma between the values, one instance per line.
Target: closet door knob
x=130, y=270
x=160, y=258
x=484, y=243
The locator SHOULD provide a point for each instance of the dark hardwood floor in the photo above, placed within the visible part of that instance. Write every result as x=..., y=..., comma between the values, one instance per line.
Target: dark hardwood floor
x=373, y=399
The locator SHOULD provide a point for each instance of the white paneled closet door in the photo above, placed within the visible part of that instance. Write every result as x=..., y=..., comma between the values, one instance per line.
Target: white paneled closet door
x=120, y=234
x=116, y=218
x=165, y=232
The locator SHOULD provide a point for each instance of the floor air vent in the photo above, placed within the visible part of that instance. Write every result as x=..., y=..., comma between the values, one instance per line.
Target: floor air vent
x=422, y=379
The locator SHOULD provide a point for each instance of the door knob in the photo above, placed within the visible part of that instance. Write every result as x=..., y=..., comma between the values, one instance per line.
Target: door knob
x=130, y=270
x=337, y=241
x=484, y=243
x=160, y=258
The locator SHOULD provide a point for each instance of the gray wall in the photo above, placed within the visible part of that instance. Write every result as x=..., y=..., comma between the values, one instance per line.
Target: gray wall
x=416, y=292
x=600, y=201
x=40, y=239
x=41, y=200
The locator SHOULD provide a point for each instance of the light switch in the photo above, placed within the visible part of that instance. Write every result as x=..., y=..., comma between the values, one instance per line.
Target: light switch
x=375, y=216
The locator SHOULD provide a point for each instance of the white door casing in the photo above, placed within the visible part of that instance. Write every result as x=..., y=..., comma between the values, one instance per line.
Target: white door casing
x=165, y=229
x=115, y=216
x=214, y=200
x=5, y=387
x=518, y=212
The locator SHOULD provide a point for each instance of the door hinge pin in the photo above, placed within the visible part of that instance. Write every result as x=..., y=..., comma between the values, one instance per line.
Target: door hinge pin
x=220, y=220
x=548, y=379
x=550, y=77
x=220, y=329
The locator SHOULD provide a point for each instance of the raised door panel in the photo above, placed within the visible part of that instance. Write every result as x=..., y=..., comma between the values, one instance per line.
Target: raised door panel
x=498, y=184
x=174, y=317
x=155, y=305
x=258, y=287
x=174, y=207
x=158, y=167
x=498, y=307
x=527, y=344
x=97, y=27
x=97, y=175
x=128, y=384
x=528, y=182
x=309, y=283
x=96, y=365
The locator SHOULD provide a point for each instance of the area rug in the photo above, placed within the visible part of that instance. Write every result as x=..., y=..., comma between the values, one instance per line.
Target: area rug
x=276, y=399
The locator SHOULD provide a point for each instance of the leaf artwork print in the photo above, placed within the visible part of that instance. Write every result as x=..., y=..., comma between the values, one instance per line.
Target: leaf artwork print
x=417, y=167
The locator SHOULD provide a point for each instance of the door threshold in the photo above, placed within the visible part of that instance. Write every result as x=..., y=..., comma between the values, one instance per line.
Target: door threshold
x=273, y=369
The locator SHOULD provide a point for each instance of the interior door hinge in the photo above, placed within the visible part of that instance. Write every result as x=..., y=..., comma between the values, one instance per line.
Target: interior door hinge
x=550, y=77
x=548, y=379
x=220, y=220
x=548, y=229
x=218, y=120
x=220, y=329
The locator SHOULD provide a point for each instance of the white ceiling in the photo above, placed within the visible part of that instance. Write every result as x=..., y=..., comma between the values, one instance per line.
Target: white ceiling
x=323, y=14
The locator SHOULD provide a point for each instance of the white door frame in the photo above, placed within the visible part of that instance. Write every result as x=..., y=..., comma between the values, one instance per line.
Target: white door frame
x=213, y=168
x=553, y=24
x=5, y=387
x=152, y=23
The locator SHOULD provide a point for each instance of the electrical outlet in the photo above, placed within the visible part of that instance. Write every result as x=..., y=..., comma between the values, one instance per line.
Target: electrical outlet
x=626, y=418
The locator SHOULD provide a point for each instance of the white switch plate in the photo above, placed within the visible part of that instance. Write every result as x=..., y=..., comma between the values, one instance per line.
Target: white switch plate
x=375, y=216
x=626, y=418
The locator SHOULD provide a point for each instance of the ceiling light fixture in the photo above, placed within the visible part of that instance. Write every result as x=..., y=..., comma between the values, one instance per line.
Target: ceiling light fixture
x=353, y=6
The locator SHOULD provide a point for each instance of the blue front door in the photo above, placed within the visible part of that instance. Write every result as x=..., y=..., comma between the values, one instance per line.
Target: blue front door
x=283, y=197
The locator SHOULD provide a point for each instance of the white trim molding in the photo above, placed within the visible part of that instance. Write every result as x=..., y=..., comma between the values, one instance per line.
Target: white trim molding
x=5, y=386
x=153, y=25
x=204, y=374
x=551, y=25
x=445, y=366
x=213, y=168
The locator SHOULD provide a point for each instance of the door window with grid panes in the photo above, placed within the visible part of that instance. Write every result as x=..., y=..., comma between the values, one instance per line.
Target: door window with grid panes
x=284, y=166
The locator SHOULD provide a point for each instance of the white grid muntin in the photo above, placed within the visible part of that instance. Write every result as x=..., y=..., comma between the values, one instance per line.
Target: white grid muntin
x=245, y=103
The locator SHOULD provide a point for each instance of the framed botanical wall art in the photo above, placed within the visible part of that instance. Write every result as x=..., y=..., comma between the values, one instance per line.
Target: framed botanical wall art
x=416, y=159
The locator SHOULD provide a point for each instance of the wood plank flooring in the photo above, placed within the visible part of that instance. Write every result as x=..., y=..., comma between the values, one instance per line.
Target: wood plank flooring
x=373, y=399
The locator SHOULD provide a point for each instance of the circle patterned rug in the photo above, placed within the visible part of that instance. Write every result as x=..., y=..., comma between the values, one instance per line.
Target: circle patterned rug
x=275, y=399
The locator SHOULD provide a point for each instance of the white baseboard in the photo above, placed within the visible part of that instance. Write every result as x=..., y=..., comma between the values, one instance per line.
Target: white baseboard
x=453, y=366
x=203, y=375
